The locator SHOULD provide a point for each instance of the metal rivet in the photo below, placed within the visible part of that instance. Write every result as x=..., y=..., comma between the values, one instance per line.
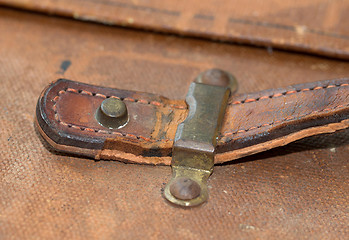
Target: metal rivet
x=218, y=77
x=185, y=188
x=112, y=113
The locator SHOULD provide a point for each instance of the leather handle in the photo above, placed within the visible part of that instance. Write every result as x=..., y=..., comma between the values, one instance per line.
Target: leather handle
x=253, y=122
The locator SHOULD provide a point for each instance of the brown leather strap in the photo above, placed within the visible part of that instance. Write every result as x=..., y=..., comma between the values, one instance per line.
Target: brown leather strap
x=317, y=27
x=253, y=122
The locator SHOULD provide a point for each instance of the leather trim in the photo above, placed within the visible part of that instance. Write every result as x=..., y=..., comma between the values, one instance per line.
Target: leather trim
x=253, y=122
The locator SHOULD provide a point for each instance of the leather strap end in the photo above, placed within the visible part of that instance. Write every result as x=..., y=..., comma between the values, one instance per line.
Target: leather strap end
x=65, y=117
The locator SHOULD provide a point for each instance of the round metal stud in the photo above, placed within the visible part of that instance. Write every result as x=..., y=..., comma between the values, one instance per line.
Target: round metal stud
x=112, y=113
x=218, y=77
x=184, y=188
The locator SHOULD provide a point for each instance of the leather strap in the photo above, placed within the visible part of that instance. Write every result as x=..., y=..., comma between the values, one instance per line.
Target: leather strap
x=253, y=122
x=314, y=27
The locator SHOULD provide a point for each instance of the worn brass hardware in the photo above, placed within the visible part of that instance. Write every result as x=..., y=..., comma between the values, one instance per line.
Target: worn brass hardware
x=218, y=77
x=112, y=113
x=195, y=139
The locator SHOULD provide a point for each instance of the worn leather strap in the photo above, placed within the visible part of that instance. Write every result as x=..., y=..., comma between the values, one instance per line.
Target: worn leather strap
x=312, y=26
x=253, y=122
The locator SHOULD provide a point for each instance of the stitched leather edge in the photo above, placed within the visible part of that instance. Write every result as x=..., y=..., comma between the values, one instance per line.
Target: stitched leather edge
x=158, y=104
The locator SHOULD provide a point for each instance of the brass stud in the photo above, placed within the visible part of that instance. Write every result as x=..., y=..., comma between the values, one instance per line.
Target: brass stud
x=184, y=188
x=218, y=77
x=112, y=113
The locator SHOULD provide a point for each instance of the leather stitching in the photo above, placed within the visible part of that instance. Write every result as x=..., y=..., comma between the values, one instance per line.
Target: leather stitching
x=155, y=103
x=82, y=128
x=286, y=93
x=282, y=121
x=84, y=92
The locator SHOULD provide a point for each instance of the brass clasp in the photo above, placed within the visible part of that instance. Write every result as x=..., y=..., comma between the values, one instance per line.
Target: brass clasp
x=195, y=140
